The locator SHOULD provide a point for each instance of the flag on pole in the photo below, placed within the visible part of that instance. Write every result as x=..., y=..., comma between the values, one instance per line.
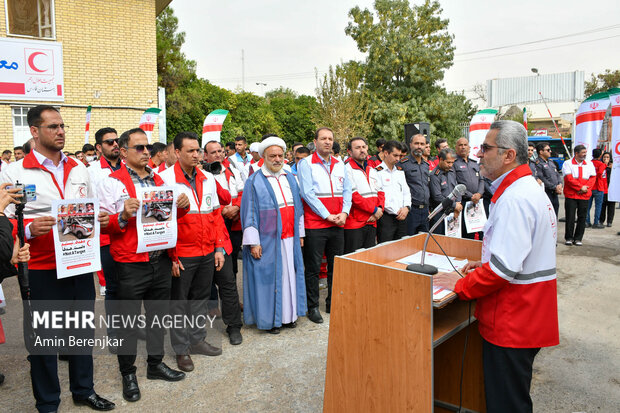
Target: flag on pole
x=147, y=122
x=589, y=120
x=478, y=128
x=212, y=126
x=89, y=110
x=525, y=117
x=614, y=184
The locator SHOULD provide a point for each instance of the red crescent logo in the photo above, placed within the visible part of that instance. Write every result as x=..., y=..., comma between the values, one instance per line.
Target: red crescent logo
x=89, y=242
x=82, y=191
x=618, y=148
x=167, y=224
x=31, y=62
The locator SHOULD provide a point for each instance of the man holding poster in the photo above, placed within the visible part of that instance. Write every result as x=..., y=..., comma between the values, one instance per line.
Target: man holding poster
x=141, y=276
x=48, y=175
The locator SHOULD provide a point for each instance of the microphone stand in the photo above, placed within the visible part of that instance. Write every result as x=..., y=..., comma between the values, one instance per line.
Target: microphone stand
x=426, y=268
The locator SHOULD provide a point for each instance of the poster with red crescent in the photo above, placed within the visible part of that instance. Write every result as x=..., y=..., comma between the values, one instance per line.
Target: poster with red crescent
x=156, y=219
x=76, y=236
x=31, y=70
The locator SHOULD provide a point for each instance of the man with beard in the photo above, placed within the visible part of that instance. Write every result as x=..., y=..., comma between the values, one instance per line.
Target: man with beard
x=468, y=173
x=417, y=175
x=549, y=175
x=443, y=182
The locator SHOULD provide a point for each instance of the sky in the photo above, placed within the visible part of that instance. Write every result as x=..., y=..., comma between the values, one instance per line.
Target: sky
x=286, y=41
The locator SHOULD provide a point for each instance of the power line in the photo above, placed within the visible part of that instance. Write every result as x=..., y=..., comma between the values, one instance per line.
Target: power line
x=273, y=77
x=599, y=29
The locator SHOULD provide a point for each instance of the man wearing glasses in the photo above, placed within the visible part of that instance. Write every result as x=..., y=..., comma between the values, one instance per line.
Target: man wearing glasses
x=141, y=276
x=55, y=177
x=549, y=175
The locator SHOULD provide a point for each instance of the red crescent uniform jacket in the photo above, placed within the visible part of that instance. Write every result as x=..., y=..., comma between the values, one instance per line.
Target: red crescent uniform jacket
x=576, y=176
x=366, y=196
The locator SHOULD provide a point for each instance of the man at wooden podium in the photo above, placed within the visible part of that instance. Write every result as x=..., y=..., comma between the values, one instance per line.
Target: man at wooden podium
x=515, y=283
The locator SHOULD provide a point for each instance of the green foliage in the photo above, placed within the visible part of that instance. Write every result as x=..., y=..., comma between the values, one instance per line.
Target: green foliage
x=295, y=114
x=602, y=82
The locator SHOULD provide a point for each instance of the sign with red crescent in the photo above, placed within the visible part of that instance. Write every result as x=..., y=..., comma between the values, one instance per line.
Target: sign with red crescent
x=31, y=62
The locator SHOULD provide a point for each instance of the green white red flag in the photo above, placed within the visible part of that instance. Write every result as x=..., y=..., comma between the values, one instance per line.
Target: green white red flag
x=614, y=183
x=212, y=126
x=89, y=110
x=589, y=120
x=478, y=128
x=147, y=122
x=525, y=117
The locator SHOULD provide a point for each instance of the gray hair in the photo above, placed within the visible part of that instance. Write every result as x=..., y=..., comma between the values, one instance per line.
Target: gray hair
x=443, y=154
x=512, y=135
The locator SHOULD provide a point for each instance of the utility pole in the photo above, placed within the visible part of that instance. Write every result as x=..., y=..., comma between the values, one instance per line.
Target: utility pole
x=242, y=70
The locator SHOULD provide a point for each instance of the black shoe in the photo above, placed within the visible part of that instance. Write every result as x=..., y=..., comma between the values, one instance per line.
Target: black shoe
x=163, y=372
x=290, y=325
x=131, y=391
x=588, y=225
x=234, y=336
x=96, y=402
x=328, y=308
x=1, y=378
x=275, y=330
x=608, y=224
x=314, y=315
x=598, y=226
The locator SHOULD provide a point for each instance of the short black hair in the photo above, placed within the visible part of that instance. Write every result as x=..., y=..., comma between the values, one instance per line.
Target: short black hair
x=336, y=147
x=178, y=140
x=157, y=148
x=78, y=152
x=356, y=138
x=87, y=147
x=297, y=144
x=4, y=152
x=34, y=114
x=230, y=145
x=443, y=154
x=379, y=143
x=301, y=150
x=28, y=146
x=531, y=144
x=596, y=153
x=241, y=138
x=316, y=134
x=18, y=148
x=439, y=141
x=101, y=132
x=123, y=140
x=579, y=148
x=541, y=146
x=391, y=145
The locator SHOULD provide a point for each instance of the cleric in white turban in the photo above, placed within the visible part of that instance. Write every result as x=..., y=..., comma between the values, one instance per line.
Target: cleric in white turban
x=272, y=219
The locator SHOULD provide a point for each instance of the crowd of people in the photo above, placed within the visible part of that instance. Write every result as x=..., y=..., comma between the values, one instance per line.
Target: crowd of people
x=282, y=212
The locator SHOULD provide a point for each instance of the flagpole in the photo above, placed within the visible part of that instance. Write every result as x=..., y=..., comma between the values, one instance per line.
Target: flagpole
x=554, y=124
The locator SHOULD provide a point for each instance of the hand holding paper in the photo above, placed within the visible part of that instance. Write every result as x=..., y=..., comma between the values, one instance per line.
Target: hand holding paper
x=130, y=208
x=41, y=226
x=183, y=201
x=104, y=219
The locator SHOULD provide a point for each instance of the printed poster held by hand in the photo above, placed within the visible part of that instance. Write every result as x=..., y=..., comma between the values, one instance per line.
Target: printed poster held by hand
x=76, y=236
x=156, y=219
x=452, y=226
x=474, y=216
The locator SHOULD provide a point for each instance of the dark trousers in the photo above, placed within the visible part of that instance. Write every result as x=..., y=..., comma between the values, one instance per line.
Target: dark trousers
x=227, y=286
x=390, y=229
x=553, y=197
x=417, y=220
x=111, y=283
x=574, y=232
x=608, y=211
x=188, y=297
x=328, y=241
x=148, y=281
x=364, y=237
x=507, y=378
x=44, y=368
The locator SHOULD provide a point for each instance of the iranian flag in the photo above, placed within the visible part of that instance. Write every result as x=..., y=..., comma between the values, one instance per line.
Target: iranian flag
x=478, y=128
x=212, y=126
x=89, y=110
x=525, y=117
x=147, y=122
x=614, y=184
x=589, y=120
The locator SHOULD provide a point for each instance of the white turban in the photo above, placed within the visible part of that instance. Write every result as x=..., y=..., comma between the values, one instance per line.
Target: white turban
x=271, y=141
x=254, y=147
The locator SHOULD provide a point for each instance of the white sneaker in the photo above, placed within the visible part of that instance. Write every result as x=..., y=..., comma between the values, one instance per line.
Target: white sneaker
x=102, y=290
x=568, y=242
x=578, y=243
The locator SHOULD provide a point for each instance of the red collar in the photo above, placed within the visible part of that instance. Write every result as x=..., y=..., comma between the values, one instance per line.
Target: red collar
x=122, y=174
x=517, y=173
x=179, y=175
x=317, y=159
x=31, y=162
x=576, y=163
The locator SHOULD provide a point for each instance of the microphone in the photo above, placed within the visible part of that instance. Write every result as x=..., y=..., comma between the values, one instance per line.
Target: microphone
x=458, y=190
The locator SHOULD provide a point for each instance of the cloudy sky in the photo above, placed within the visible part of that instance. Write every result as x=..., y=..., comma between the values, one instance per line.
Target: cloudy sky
x=285, y=41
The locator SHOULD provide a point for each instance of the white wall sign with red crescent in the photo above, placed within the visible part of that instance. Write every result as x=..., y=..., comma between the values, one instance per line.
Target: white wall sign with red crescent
x=36, y=72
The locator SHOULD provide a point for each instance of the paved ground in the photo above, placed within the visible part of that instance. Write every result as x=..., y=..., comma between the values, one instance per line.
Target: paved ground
x=287, y=372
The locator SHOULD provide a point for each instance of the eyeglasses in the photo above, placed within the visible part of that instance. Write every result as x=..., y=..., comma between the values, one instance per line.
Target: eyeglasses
x=485, y=147
x=111, y=141
x=54, y=126
x=141, y=148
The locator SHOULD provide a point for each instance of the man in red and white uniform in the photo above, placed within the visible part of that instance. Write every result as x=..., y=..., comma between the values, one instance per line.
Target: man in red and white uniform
x=326, y=191
x=367, y=201
x=54, y=177
x=579, y=178
x=515, y=283
x=141, y=276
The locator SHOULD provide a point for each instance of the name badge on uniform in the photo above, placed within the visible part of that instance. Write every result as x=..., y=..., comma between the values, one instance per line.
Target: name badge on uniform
x=30, y=192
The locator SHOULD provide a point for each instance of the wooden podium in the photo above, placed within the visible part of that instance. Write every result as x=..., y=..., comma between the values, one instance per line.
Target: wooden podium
x=389, y=350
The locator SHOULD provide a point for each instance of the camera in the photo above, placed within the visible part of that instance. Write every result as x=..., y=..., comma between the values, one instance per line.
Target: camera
x=213, y=167
x=22, y=191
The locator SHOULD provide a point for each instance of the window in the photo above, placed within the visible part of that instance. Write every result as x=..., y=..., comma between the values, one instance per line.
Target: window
x=21, y=131
x=32, y=18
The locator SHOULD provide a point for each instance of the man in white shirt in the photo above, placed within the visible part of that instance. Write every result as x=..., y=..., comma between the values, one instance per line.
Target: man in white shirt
x=393, y=224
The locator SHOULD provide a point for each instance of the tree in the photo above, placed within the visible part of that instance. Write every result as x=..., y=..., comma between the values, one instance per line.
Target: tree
x=295, y=114
x=602, y=82
x=408, y=50
x=342, y=105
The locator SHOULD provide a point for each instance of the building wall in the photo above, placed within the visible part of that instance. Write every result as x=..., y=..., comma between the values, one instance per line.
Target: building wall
x=109, y=48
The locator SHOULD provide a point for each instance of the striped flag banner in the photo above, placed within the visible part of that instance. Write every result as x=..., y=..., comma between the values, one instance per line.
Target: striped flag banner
x=147, y=121
x=525, y=117
x=589, y=120
x=212, y=126
x=89, y=111
x=614, y=184
x=478, y=128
